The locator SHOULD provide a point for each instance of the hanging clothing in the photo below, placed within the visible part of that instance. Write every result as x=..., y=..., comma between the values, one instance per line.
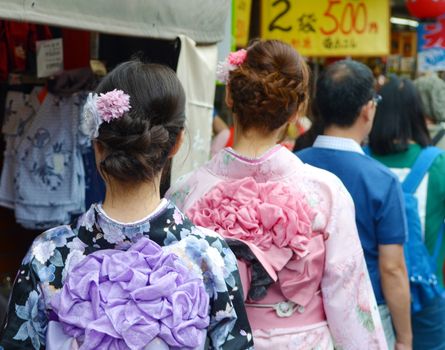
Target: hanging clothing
x=43, y=178
x=72, y=81
x=20, y=111
x=56, y=252
x=288, y=222
x=21, y=41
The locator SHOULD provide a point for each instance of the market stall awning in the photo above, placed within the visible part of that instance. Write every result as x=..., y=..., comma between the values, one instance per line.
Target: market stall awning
x=201, y=20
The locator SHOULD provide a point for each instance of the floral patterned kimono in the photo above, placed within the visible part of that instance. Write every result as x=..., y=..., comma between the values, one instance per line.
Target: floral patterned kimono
x=292, y=228
x=159, y=283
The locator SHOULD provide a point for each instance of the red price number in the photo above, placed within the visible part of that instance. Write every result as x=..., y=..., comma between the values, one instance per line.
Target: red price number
x=347, y=17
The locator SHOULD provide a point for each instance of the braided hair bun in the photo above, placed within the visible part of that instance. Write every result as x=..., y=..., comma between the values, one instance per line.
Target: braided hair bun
x=270, y=86
x=137, y=146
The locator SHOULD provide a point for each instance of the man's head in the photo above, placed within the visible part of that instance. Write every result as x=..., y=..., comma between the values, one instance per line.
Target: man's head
x=432, y=91
x=345, y=91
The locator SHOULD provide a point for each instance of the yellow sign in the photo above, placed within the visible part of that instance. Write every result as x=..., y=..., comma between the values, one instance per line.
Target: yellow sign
x=329, y=27
x=241, y=21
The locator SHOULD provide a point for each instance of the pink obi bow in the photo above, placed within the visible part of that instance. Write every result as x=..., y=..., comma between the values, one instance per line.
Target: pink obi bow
x=275, y=222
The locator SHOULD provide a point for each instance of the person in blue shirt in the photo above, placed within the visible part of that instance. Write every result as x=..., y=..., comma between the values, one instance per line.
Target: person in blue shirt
x=346, y=102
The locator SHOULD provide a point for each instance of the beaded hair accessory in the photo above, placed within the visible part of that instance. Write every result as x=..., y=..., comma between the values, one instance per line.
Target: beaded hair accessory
x=233, y=61
x=103, y=108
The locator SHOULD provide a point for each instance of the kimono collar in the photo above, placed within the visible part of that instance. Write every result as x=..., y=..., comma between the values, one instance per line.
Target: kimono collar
x=116, y=233
x=276, y=163
x=159, y=209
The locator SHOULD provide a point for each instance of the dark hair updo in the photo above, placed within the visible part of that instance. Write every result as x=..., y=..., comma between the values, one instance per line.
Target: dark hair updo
x=270, y=86
x=137, y=145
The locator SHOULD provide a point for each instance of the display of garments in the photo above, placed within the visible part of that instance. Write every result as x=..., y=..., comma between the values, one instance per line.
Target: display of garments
x=70, y=82
x=43, y=177
x=19, y=113
x=288, y=222
x=19, y=42
x=76, y=48
x=56, y=252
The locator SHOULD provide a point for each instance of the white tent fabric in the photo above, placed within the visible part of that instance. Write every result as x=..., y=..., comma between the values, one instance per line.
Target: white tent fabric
x=196, y=71
x=201, y=20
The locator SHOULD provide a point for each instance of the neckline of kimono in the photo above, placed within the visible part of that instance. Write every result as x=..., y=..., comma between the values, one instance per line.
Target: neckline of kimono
x=159, y=209
x=259, y=159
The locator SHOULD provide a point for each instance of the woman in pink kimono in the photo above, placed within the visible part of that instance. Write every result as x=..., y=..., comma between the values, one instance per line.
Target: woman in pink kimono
x=290, y=225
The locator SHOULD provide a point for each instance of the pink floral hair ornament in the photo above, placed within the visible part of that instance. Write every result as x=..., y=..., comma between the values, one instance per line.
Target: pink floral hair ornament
x=233, y=61
x=103, y=108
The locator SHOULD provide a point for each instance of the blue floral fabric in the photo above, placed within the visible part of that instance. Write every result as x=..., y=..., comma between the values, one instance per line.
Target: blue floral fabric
x=54, y=253
x=43, y=178
x=20, y=111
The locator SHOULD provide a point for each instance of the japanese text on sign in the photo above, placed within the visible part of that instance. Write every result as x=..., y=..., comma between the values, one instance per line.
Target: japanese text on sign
x=431, y=46
x=329, y=27
x=49, y=57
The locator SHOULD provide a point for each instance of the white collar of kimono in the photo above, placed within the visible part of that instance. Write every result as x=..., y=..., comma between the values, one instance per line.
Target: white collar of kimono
x=255, y=160
x=337, y=143
x=277, y=162
x=158, y=209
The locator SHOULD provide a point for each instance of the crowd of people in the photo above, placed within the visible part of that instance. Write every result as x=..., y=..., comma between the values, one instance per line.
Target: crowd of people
x=338, y=245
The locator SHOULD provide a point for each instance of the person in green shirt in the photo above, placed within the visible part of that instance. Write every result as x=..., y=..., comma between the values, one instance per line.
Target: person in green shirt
x=431, y=88
x=397, y=138
x=398, y=135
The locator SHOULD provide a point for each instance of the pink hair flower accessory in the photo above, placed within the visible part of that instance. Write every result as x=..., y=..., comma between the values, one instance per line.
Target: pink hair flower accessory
x=103, y=108
x=233, y=61
x=237, y=58
x=113, y=105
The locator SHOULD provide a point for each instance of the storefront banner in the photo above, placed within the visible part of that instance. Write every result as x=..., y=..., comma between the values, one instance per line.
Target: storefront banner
x=431, y=46
x=241, y=21
x=329, y=27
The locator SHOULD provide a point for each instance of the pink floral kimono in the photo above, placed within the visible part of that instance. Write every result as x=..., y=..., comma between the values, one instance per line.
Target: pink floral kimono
x=292, y=228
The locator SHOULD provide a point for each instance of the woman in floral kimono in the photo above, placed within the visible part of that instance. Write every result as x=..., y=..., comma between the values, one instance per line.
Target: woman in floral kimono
x=133, y=272
x=291, y=225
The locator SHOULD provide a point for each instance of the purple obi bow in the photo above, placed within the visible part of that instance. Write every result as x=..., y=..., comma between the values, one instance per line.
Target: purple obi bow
x=130, y=300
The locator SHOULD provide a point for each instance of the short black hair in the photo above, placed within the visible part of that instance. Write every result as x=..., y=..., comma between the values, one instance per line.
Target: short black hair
x=343, y=88
x=399, y=119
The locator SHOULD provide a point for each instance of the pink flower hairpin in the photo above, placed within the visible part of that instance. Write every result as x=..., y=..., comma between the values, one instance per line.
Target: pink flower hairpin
x=103, y=108
x=233, y=61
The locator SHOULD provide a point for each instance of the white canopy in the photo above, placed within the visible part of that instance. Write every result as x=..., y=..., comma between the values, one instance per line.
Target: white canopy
x=201, y=20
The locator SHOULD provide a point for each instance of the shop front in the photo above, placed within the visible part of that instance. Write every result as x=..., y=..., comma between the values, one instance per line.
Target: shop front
x=52, y=53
